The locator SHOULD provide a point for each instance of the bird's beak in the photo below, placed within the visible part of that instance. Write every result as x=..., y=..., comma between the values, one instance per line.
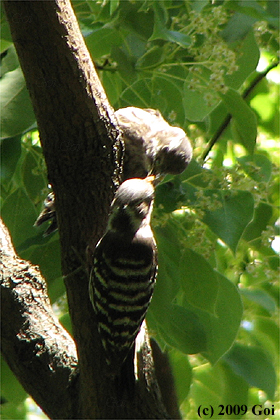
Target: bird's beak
x=151, y=179
x=155, y=179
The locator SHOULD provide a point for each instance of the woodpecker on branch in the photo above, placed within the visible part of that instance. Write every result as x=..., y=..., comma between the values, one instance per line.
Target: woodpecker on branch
x=124, y=271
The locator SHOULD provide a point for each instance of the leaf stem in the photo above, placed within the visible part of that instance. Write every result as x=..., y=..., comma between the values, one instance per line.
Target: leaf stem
x=227, y=119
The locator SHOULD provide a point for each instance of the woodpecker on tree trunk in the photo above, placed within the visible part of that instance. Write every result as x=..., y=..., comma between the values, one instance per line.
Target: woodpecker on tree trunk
x=124, y=271
x=152, y=147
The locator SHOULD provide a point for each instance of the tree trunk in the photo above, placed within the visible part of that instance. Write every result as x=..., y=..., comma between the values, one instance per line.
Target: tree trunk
x=83, y=153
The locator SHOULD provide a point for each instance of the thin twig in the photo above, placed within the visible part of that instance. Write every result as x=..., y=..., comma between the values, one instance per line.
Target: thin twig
x=227, y=119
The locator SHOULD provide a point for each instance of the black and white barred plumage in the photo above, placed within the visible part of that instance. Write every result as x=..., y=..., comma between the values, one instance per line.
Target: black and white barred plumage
x=124, y=270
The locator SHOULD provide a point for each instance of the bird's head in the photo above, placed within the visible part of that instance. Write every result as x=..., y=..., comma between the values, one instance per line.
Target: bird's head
x=173, y=156
x=132, y=205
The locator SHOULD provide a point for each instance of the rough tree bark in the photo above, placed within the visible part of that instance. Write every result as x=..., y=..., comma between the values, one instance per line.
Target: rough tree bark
x=83, y=153
x=32, y=340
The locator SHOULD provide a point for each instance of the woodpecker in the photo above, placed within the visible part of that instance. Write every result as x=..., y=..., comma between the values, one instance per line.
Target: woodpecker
x=48, y=213
x=124, y=270
x=152, y=146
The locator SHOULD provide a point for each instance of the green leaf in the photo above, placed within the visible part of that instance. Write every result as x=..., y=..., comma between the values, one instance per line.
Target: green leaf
x=126, y=66
x=9, y=61
x=155, y=93
x=266, y=332
x=253, y=365
x=13, y=411
x=182, y=372
x=169, y=195
x=219, y=385
x=258, y=167
x=243, y=119
x=152, y=58
x=182, y=329
x=101, y=40
x=198, y=5
x=191, y=329
x=198, y=280
x=114, y=4
x=196, y=175
x=113, y=86
x=19, y=215
x=222, y=327
x=238, y=27
x=260, y=297
x=262, y=216
x=32, y=173
x=169, y=254
x=207, y=385
x=247, y=61
x=235, y=392
x=11, y=389
x=253, y=9
x=47, y=256
x=195, y=106
x=172, y=36
x=65, y=321
x=16, y=109
x=229, y=221
x=10, y=154
x=161, y=32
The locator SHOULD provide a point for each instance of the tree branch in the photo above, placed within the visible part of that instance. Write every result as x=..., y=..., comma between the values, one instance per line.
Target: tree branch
x=224, y=124
x=32, y=341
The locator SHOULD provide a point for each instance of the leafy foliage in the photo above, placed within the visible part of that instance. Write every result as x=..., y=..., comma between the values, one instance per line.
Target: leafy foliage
x=215, y=305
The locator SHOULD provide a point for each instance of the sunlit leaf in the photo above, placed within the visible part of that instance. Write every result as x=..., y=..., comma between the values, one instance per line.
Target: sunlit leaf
x=258, y=167
x=65, y=321
x=262, y=215
x=243, y=119
x=253, y=364
x=32, y=173
x=218, y=386
x=229, y=220
x=261, y=297
x=11, y=389
x=101, y=40
x=267, y=334
x=222, y=327
x=16, y=110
